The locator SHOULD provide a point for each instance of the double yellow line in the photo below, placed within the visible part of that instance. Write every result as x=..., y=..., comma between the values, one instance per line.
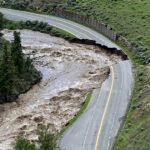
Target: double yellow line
x=105, y=111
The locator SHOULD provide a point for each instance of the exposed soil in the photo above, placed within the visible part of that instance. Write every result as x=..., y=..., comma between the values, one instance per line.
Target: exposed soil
x=69, y=72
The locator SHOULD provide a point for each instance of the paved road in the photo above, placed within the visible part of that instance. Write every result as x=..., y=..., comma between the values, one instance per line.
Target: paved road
x=98, y=126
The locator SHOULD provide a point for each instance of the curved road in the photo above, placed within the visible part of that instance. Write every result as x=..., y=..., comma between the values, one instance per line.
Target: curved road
x=98, y=125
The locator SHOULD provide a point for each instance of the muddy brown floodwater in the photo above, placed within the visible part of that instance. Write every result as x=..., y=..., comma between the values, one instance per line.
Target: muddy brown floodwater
x=69, y=71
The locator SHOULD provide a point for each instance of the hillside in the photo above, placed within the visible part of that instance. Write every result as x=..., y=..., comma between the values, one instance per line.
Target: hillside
x=132, y=20
x=33, y=5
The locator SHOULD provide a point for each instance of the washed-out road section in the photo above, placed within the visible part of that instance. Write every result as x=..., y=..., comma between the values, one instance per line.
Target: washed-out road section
x=97, y=128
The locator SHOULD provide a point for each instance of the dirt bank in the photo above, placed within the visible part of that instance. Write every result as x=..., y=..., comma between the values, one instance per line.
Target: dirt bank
x=69, y=72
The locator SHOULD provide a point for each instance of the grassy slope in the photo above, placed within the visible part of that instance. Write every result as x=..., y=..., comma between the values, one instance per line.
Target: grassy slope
x=34, y=5
x=135, y=131
x=129, y=18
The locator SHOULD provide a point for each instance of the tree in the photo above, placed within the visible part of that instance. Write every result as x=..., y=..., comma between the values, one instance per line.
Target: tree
x=16, y=53
x=28, y=64
x=1, y=20
x=7, y=73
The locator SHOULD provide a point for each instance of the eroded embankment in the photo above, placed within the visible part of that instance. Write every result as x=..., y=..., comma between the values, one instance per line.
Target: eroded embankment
x=69, y=71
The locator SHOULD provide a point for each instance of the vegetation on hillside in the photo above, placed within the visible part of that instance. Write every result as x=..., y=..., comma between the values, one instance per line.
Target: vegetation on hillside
x=17, y=74
x=32, y=5
x=135, y=132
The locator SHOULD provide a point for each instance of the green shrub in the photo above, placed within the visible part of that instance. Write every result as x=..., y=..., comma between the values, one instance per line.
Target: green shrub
x=46, y=140
x=24, y=144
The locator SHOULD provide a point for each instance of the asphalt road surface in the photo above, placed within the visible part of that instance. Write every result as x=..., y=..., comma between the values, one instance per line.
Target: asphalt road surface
x=97, y=127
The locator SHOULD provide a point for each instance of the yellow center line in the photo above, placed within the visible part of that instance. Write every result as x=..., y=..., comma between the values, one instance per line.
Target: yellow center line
x=105, y=110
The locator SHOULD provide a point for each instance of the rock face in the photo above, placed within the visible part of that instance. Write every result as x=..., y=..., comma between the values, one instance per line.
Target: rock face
x=69, y=71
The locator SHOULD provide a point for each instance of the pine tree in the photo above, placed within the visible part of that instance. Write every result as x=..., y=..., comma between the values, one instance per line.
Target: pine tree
x=7, y=73
x=1, y=20
x=16, y=53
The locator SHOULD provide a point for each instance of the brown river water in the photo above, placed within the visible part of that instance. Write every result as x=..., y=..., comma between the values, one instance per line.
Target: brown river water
x=69, y=72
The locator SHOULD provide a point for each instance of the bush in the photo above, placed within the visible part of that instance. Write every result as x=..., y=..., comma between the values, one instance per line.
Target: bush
x=24, y=144
x=46, y=139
